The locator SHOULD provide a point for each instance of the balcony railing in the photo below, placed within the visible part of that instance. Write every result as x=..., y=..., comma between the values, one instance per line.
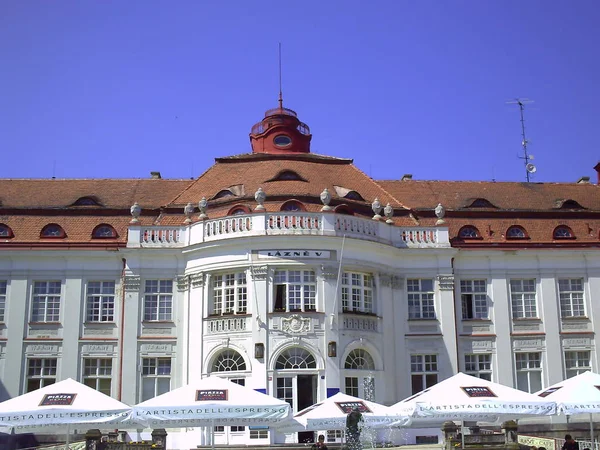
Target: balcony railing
x=288, y=223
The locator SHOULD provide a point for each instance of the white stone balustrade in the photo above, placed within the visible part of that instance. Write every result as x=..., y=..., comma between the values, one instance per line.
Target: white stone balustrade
x=288, y=223
x=226, y=325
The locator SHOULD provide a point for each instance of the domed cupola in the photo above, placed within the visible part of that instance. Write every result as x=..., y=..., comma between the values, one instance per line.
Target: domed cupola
x=280, y=132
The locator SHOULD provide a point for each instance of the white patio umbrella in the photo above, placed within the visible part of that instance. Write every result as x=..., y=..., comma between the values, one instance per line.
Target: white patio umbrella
x=67, y=402
x=464, y=397
x=208, y=402
x=577, y=395
x=331, y=414
x=62, y=406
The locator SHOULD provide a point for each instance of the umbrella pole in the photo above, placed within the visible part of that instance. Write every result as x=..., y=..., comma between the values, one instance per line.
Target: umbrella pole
x=212, y=434
x=68, y=439
x=462, y=434
x=592, y=432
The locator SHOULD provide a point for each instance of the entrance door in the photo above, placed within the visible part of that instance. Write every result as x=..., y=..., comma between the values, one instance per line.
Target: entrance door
x=300, y=391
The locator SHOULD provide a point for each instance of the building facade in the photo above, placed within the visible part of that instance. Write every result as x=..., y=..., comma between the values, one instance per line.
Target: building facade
x=295, y=274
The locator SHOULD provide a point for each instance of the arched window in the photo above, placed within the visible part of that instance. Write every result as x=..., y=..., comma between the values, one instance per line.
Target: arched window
x=293, y=206
x=5, y=232
x=86, y=201
x=104, y=231
x=359, y=359
x=516, y=232
x=563, y=232
x=228, y=361
x=296, y=358
x=468, y=232
x=53, y=230
x=344, y=209
x=223, y=193
x=353, y=195
x=238, y=209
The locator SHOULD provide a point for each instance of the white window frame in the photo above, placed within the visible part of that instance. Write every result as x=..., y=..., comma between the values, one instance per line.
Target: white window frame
x=294, y=285
x=358, y=292
x=3, y=291
x=474, y=293
x=359, y=366
x=229, y=294
x=153, y=372
x=423, y=366
x=158, y=300
x=44, y=372
x=97, y=374
x=529, y=365
x=572, y=298
x=46, y=301
x=100, y=301
x=523, y=299
x=421, y=299
x=577, y=362
x=479, y=365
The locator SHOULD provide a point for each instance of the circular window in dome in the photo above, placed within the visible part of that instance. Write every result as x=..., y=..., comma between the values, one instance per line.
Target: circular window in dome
x=282, y=140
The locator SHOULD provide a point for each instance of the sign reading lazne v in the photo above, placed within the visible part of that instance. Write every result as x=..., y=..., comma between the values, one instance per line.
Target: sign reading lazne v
x=294, y=254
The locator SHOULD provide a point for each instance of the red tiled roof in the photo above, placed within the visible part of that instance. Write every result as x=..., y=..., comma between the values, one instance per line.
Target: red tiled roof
x=456, y=195
x=110, y=193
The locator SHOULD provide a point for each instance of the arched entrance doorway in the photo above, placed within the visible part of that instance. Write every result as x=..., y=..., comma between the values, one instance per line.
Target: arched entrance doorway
x=296, y=382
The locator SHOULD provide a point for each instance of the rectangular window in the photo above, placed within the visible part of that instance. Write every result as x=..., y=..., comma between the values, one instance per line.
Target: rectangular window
x=473, y=296
x=479, y=365
x=420, y=299
x=259, y=434
x=100, y=301
x=529, y=371
x=2, y=300
x=522, y=295
x=230, y=294
x=577, y=362
x=571, y=297
x=357, y=292
x=423, y=371
x=97, y=374
x=46, y=301
x=41, y=372
x=158, y=300
x=156, y=377
x=295, y=290
x=351, y=386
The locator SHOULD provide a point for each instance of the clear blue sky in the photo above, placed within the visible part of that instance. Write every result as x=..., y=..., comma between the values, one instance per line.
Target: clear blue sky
x=108, y=89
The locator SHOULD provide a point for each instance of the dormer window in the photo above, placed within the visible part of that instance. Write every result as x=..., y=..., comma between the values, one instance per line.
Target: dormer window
x=481, y=203
x=86, y=201
x=287, y=175
x=104, y=231
x=222, y=194
x=5, y=232
x=353, y=195
x=567, y=204
x=468, y=232
x=563, y=232
x=238, y=210
x=293, y=206
x=53, y=231
x=516, y=232
x=344, y=209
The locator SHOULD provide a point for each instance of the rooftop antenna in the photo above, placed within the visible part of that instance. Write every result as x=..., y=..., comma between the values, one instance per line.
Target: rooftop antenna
x=529, y=168
x=280, y=91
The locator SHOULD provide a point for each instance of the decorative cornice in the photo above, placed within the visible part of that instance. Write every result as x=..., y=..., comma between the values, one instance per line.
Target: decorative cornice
x=197, y=279
x=446, y=282
x=385, y=279
x=329, y=272
x=260, y=272
x=183, y=283
x=132, y=283
x=397, y=282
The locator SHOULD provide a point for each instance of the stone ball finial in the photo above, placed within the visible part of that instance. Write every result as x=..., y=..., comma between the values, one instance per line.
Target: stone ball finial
x=135, y=211
x=388, y=211
x=188, y=210
x=325, y=199
x=440, y=212
x=376, y=206
x=260, y=198
x=202, y=205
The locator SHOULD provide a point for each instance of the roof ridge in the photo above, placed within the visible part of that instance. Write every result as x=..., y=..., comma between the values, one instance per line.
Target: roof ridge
x=378, y=185
x=194, y=182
